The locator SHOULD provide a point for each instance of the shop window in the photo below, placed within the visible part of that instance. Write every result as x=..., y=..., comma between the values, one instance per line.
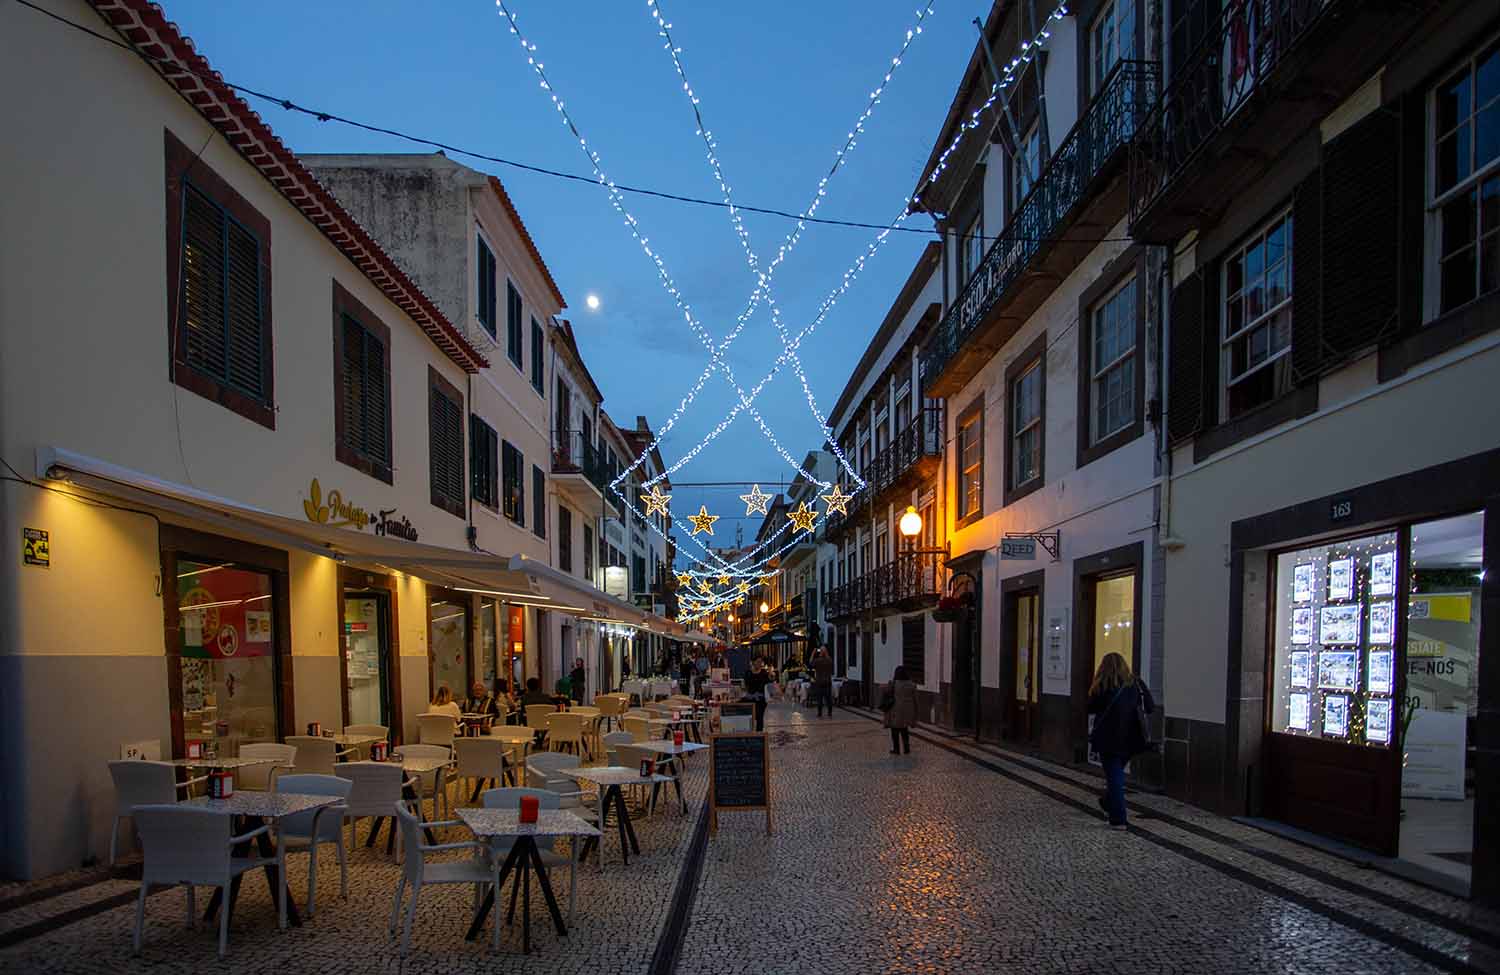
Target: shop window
x=1465, y=204
x=361, y=387
x=489, y=641
x=445, y=428
x=513, y=315
x=1335, y=638
x=513, y=482
x=1256, y=342
x=226, y=614
x=1114, y=618
x=538, y=343
x=448, y=639
x=484, y=462
x=485, y=271
x=1113, y=363
x=1111, y=40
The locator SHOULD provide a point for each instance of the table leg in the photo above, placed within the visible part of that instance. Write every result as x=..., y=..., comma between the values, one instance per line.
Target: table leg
x=374, y=831
x=525, y=881
x=488, y=903
x=273, y=876
x=627, y=828
x=547, y=895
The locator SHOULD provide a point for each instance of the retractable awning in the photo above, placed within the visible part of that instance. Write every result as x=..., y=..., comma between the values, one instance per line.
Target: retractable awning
x=515, y=578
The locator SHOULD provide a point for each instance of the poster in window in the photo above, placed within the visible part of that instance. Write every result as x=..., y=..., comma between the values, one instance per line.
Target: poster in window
x=258, y=626
x=1338, y=671
x=1298, y=718
x=1339, y=624
x=1341, y=579
x=1378, y=721
x=1383, y=623
x=1383, y=574
x=1302, y=626
x=1302, y=583
x=1336, y=715
x=1301, y=667
x=1382, y=670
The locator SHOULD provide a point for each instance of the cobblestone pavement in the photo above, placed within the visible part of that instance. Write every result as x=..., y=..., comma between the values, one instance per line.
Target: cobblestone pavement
x=957, y=858
x=935, y=862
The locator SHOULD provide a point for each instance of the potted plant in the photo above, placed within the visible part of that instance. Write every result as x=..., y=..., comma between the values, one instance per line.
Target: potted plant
x=951, y=608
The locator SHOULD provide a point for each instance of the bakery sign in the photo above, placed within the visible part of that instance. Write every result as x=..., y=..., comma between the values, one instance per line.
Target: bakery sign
x=337, y=511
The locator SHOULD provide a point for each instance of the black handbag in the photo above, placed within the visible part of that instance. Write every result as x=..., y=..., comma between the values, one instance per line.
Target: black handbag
x=1142, y=722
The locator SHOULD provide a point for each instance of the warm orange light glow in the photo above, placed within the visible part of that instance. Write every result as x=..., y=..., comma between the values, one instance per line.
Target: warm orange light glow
x=911, y=522
x=764, y=607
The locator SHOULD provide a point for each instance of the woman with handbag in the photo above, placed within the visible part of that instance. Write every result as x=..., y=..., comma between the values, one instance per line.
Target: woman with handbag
x=899, y=702
x=1120, y=703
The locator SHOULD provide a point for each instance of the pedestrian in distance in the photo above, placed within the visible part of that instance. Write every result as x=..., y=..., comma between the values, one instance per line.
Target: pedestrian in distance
x=1120, y=703
x=577, y=680
x=822, y=685
x=756, y=682
x=899, y=702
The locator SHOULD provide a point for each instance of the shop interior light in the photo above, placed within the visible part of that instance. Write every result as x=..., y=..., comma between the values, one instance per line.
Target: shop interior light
x=509, y=595
x=199, y=572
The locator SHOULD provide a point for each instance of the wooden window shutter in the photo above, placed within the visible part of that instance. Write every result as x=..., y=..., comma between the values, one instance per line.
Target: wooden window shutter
x=1186, y=372
x=354, y=373
x=202, y=321
x=245, y=352
x=1307, y=278
x=376, y=400
x=446, y=426
x=1412, y=214
x=538, y=501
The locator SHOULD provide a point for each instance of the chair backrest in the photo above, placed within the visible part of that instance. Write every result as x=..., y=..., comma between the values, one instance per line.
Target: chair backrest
x=183, y=843
x=138, y=783
x=630, y=756
x=479, y=757
x=426, y=751
x=542, y=771
x=301, y=824
x=316, y=755
x=259, y=777
x=536, y=715
x=510, y=798
x=638, y=729
x=585, y=711
x=411, y=841
x=614, y=739
x=565, y=726
x=367, y=729
x=373, y=787
x=435, y=729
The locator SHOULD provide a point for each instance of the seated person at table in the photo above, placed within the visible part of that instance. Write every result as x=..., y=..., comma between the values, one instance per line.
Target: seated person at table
x=504, y=695
x=535, y=695
x=480, y=701
x=443, y=703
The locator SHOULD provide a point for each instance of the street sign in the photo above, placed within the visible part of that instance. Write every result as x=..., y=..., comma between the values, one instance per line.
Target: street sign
x=1018, y=548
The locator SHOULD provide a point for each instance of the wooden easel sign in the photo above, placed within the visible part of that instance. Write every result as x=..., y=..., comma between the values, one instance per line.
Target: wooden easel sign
x=739, y=775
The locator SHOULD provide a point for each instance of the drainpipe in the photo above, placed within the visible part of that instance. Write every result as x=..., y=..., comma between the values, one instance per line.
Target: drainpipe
x=1164, y=309
x=471, y=532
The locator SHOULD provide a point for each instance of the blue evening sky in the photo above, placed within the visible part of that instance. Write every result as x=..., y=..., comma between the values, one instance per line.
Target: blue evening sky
x=780, y=83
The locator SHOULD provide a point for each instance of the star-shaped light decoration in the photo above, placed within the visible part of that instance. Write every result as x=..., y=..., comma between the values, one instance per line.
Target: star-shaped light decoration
x=656, y=502
x=755, y=502
x=725, y=580
x=744, y=587
x=802, y=519
x=705, y=583
x=703, y=521
x=836, y=500
x=685, y=578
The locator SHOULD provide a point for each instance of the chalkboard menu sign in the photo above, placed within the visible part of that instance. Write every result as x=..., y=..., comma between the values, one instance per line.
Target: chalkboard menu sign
x=739, y=775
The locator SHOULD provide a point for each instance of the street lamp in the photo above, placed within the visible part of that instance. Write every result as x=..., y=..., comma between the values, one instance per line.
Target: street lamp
x=764, y=607
x=911, y=522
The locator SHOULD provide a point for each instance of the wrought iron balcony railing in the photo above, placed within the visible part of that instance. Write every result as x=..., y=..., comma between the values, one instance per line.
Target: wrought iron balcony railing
x=909, y=581
x=1065, y=183
x=572, y=454
x=1241, y=48
x=919, y=446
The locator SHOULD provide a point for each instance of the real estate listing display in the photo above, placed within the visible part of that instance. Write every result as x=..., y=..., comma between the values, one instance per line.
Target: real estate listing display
x=1333, y=656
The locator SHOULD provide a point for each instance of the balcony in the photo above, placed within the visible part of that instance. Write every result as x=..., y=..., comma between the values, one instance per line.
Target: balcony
x=1266, y=72
x=907, y=583
x=579, y=471
x=1078, y=197
x=913, y=456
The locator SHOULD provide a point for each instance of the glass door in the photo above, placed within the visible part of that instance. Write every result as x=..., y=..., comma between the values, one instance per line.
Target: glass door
x=366, y=657
x=1025, y=643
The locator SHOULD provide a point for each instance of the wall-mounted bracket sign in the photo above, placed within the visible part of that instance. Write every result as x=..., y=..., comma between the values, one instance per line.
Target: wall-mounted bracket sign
x=337, y=511
x=1017, y=543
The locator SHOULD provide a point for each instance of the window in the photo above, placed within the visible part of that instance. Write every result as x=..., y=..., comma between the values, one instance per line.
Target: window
x=564, y=539
x=637, y=574
x=484, y=270
x=1025, y=167
x=445, y=428
x=1112, y=363
x=1466, y=181
x=1257, y=320
x=238, y=698
x=484, y=465
x=513, y=323
x=971, y=248
x=970, y=497
x=218, y=289
x=361, y=387
x=914, y=647
x=588, y=552
x=1026, y=396
x=537, y=343
x=1111, y=40
x=512, y=483
x=538, y=502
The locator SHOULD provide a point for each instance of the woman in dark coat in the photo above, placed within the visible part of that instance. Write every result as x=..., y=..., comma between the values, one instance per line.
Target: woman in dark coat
x=1114, y=697
x=901, y=695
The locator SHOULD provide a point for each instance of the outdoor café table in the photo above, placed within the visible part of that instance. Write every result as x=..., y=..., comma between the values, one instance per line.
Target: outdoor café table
x=673, y=753
x=494, y=824
x=688, y=725
x=252, y=809
x=610, y=779
x=220, y=763
x=513, y=734
x=354, y=741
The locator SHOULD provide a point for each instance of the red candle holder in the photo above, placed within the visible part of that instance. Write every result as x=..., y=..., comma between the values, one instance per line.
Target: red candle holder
x=195, y=748
x=314, y=729
x=379, y=750
x=677, y=738
x=221, y=785
x=529, y=807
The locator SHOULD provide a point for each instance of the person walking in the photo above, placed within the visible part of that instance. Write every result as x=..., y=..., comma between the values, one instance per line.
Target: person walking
x=578, y=680
x=756, y=682
x=899, y=702
x=1120, y=702
x=822, y=684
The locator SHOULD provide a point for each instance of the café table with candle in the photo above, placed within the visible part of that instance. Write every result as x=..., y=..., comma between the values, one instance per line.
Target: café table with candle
x=609, y=782
x=673, y=752
x=524, y=858
x=251, y=810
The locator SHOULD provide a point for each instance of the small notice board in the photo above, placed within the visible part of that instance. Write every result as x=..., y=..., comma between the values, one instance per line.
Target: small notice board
x=739, y=777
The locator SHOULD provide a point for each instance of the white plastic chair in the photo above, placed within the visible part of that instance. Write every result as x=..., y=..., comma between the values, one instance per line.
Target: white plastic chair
x=435, y=728
x=374, y=786
x=262, y=778
x=417, y=872
x=546, y=846
x=479, y=758
x=139, y=783
x=432, y=784
x=317, y=756
x=304, y=831
x=614, y=739
x=193, y=845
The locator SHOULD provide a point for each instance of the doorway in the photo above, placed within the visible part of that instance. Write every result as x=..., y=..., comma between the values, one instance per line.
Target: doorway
x=1023, y=640
x=1107, y=608
x=867, y=668
x=366, y=658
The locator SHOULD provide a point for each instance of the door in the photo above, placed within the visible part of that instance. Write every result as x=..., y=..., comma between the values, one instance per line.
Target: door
x=367, y=697
x=867, y=668
x=964, y=672
x=1022, y=646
